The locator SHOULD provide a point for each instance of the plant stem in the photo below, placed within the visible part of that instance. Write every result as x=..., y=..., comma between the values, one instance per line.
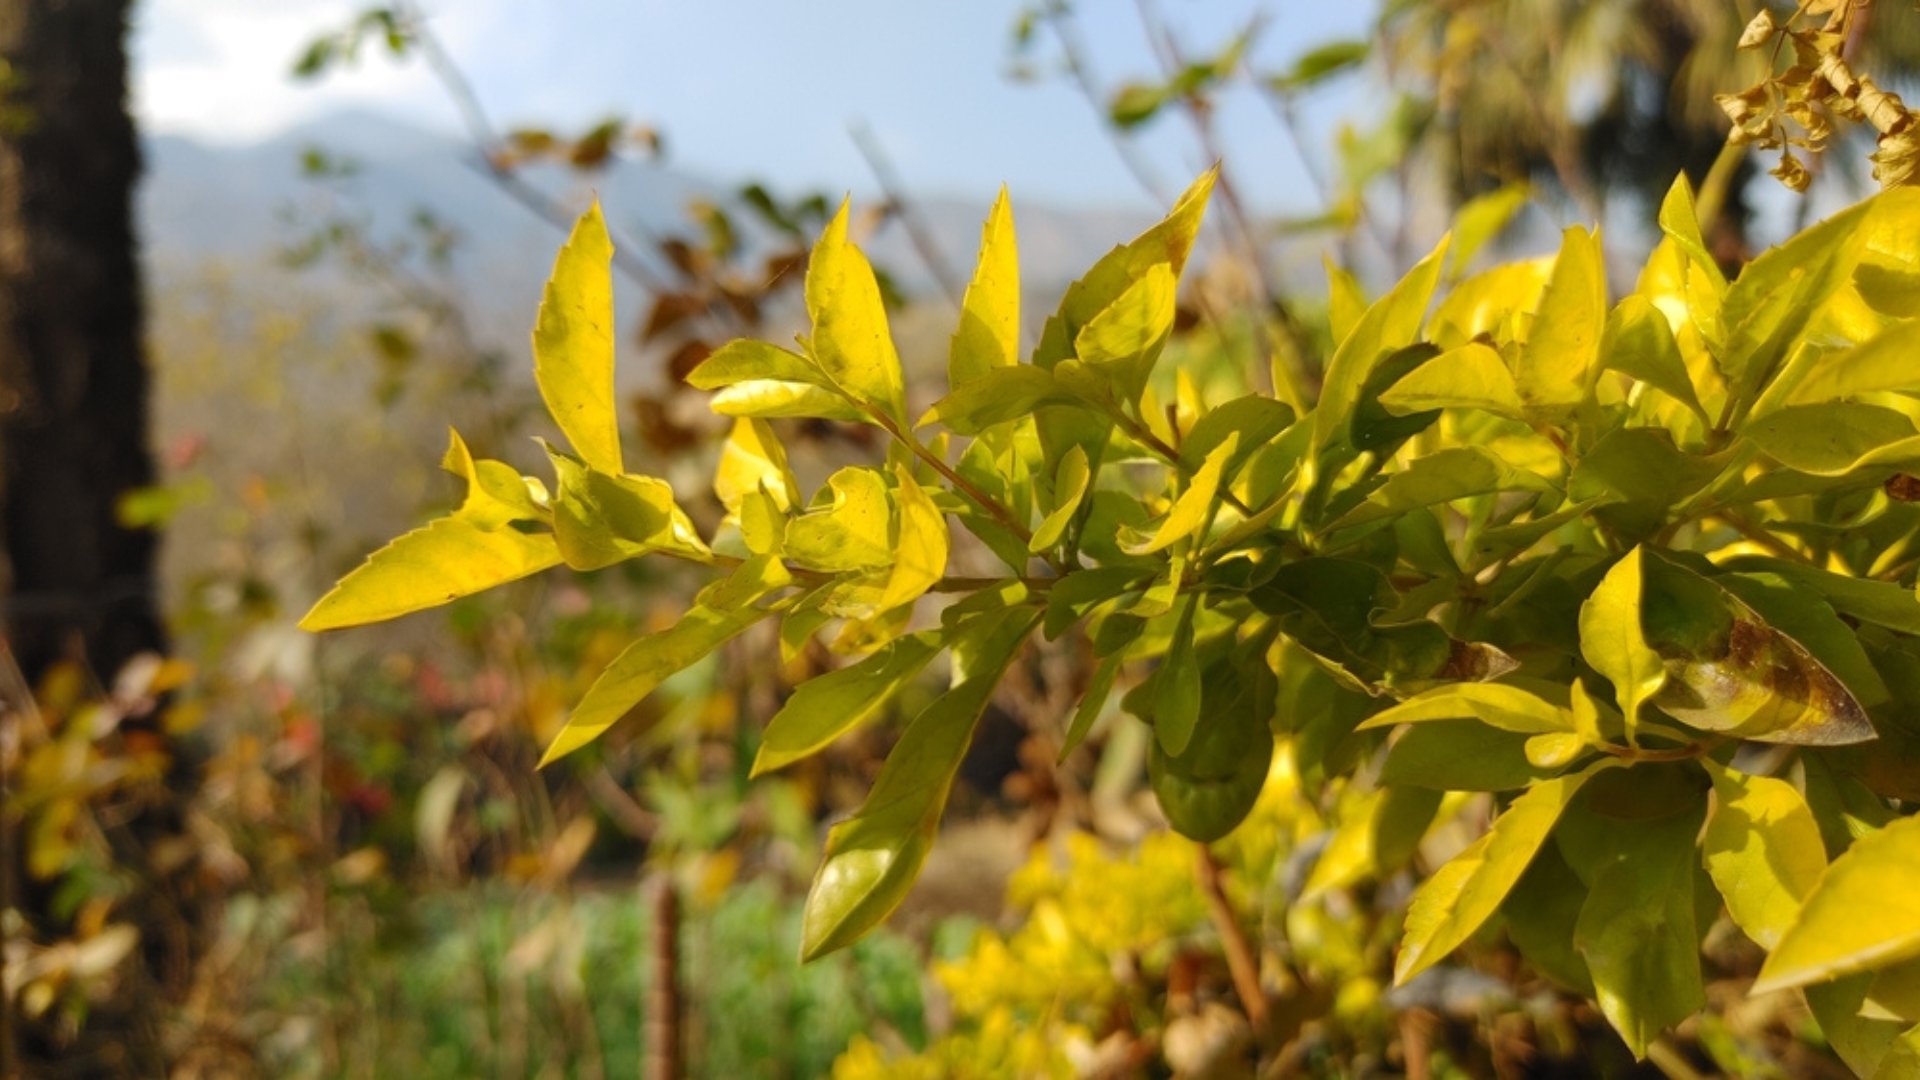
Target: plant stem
x=1233, y=940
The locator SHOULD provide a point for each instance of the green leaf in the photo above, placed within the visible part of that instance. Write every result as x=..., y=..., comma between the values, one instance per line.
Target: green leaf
x=449, y=558
x=1318, y=64
x=1903, y=1057
x=989, y=332
x=573, y=344
x=1393, y=322
x=773, y=398
x=1177, y=687
x=1470, y=377
x=997, y=396
x=1459, y=755
x=1612, y=641
x=1638, y=934
x=1836, y=438
x=1480, y=220
x=1194, y=508
x=1882, y=603
x=1460, y=896
x=1864, y=913
x=1541, y=912
x=1208, y=789
x=853, y=532
x=1561, y=348
x=1461, y=472
x=1763, y=851
x=1635, y=476
x=1257, y=419
x=1345, y=302
x=1508, y=708
x=851, y=341
x=1134, y=104
x=828, y=706
x=1126, y=337
x=1639, y=342
x=1861, y=1042
x=1092, y=704
x=645, y=664
x=1069, y=487
x=1374, y=426
x=873, y=857
x=746, y=360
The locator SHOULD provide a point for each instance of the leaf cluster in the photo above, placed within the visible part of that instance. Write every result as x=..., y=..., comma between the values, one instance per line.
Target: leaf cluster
x=1635, y=576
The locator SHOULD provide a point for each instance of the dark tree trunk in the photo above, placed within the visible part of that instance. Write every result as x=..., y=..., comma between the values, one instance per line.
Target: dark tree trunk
x=74, y=376
x=73, y=439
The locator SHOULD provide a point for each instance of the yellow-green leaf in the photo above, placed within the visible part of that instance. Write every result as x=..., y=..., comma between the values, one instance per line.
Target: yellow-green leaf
x=1177, y=689
x=599, y=519
x=851, y=341
x=1508, y=708
x=828, y=706
x=853, y=532
x=1459, y=472
x=920, y=546
x=1480, y=220
x=1070, y=484
x=1126, y=337
x=1864, y=913
x=776, y=398
x=1194, y=507
x=1763, y=851
x=496, y=492
x=1561, y=347
x=1460, y=896
x=1639, y=342
x=753, y=456
x=449, y=558
x=1879, y=364
x=997, y=396
x=1612, y=640
x=1392, y=322
x=1345, y=302
x=1470, y=377
x=1835, y=438
x=1377, y=832
x=873, y=857
x=573, y=344
x=746, y=360
x=645, y=664
x=989, y=333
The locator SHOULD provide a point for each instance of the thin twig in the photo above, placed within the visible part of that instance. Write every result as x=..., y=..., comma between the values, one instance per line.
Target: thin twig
x=1060, y=17
x=1241, y=962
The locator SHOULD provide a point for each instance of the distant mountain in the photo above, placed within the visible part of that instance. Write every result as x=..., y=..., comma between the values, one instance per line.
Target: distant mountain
x=241, y=205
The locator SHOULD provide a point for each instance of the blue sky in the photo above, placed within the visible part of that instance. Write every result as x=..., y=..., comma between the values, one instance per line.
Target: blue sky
x=760, y=88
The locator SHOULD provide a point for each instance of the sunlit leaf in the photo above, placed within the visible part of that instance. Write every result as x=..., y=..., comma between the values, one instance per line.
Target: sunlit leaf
x=989, y=332
x=1346, y=302
x=1126, y=337
x=645, y=664
x=1392, y=322
x=920, y=544
x=497, y=494
x=1863, y=914
x=1482, y=219
x=1376, y=835
x=1565, y=340
x=873, y=857
x=600, y=520
x=828, y=706
x=1835, y=438
x=1508, y=708
x=771, y=398
x=1639, y=342
x=448, y=558
x=1777, y=295
x=1069, y=487
x=1763, y=851
x=573, y=344
x=1882, y=363
x=997, y=396
x=746, y=360
x=1460, y=755
x=1612, y=640
x=1461, y=895
x=1470, y=377
x=853, y=532
x=1194, y=507
x=851, y=340
x=753, y=456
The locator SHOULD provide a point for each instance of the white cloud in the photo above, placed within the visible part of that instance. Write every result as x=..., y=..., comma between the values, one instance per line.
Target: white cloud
x=220, y=69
